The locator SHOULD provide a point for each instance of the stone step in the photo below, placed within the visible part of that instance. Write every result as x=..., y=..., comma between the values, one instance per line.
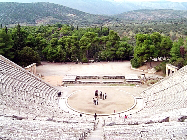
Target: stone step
x=98, y=133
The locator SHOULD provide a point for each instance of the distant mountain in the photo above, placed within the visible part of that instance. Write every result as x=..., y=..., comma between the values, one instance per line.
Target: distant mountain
x=153, y=15
x=47, y=13
x=112, y=7
x=102, y=7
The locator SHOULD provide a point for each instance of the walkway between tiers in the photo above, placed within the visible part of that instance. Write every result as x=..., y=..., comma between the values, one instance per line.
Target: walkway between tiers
x=63, y=104
x=97, y=134
x=138, y=107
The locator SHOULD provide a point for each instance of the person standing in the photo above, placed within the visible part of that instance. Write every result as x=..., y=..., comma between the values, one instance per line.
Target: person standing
x=125, y=118
x=105, y=96
x=101, y=95
x=96, y=93
x=95, y=101
x=95, y=116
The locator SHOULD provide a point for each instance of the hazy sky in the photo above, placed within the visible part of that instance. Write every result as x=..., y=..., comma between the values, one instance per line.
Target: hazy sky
x=108, y=0
x=153, y=0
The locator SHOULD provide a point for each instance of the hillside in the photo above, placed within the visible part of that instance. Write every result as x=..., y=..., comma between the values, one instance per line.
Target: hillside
x=112, y=7
x=153, y=15
x=47, y=13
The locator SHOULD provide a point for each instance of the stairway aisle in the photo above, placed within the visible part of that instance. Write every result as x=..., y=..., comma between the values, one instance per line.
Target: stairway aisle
x=98, y=133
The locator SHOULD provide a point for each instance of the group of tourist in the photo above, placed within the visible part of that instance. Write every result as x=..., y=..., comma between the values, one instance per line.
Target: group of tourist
x=102, y=96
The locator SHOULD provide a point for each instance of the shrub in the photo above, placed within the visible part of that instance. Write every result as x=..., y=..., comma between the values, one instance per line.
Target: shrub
x=135, y=62
x=84, y=60
x=158, y=68
x=161, y=67
x=179, y=63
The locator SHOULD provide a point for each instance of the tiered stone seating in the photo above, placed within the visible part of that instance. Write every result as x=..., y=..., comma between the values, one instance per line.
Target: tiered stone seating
x=29, y=79
x=26, y=103
x=166, y=95
x=29, y=110
x=27, y=129
x=161, y=100
x=171, y=130
x=22, y=89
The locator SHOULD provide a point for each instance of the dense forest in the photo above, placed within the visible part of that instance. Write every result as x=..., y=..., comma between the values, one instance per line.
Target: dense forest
x=62, y=43
x=66, y=43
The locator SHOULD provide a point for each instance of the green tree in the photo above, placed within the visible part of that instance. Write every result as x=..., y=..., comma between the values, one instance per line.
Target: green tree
x=175, y=50
x=60, y=54
x=28, y=56
x=70, y=46
x=156, y=41
x=165, y=47
x=19, y=37
x=40, y=45
x=145, y=49
x=124, y=51
x=89, y=45
x=51, y=50
x=6, y=44
x=112, y=42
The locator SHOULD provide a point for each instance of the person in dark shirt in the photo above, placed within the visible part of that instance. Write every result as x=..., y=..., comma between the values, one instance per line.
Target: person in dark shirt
x=95, y=116
x=101, y=95
x=96, y=93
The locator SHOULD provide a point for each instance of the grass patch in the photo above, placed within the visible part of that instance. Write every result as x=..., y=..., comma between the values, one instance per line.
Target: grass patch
x=122, y=84
x=151, y=82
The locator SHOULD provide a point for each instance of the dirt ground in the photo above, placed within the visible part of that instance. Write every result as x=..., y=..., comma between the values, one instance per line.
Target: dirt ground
x=120, y=98
x=53, y=73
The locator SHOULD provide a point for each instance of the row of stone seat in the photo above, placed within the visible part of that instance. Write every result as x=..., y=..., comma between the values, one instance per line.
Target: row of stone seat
x=170, y=93
x=28, y=81
x=27, y=129
x=164, y=96
x=171, y=130
x=178, y=78
x=168, y=99
x=26, y=98
x=23, y=91
x=9, y=83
